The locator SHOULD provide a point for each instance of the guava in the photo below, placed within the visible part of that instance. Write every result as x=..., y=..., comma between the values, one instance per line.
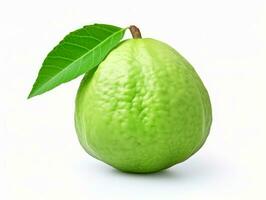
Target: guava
x=143, y=109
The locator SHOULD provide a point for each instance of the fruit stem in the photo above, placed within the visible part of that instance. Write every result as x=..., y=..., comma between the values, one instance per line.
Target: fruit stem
x=135, y=32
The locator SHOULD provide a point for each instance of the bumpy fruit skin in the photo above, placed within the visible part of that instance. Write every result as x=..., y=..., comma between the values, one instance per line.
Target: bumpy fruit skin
x=143, y=109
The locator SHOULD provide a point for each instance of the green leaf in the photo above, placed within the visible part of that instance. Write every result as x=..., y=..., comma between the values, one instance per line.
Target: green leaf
x=77, y=53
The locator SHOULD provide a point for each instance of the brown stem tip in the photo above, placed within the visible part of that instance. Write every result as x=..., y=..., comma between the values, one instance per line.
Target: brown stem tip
x=135, y=32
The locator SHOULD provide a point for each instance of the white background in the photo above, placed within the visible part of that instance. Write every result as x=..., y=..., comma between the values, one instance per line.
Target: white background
x=40, y=157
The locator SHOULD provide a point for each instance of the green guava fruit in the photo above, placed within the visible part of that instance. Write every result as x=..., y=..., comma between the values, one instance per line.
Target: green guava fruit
x=143, y=109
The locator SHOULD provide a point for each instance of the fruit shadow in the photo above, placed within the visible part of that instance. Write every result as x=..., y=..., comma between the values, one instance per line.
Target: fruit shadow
x=195, y=169
x=164, y=174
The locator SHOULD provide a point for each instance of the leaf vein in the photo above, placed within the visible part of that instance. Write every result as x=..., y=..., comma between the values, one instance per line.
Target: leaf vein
x=61, y=57
x=86, y=36
x=76, y=45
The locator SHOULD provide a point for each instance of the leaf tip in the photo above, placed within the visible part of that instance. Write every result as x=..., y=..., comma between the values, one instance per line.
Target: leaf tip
x=30, y=96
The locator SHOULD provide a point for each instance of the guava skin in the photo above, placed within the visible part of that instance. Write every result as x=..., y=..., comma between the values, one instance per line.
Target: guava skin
x=143, y=109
